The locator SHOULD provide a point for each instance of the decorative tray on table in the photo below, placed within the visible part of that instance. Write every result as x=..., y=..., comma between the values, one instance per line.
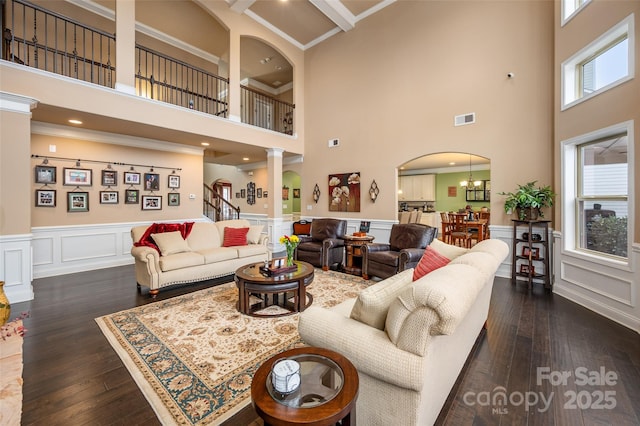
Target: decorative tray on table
x=277, y=268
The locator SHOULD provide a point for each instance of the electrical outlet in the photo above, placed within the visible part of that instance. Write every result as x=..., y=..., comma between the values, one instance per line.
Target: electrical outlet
x=334, y=142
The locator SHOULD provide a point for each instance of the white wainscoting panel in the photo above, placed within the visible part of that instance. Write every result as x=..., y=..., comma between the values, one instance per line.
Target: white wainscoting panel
x=606, y=287
x=15, y=267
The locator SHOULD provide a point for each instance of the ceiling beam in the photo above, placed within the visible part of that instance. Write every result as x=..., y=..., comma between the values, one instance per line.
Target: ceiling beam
x=240, y=6
x=337, y=12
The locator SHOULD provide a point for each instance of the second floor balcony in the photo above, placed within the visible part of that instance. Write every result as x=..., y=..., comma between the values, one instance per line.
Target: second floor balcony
x=36, y=37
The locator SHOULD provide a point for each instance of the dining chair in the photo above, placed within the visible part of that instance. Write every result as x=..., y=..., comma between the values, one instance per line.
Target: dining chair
x=486, y=216
x=459, y=231
x=404, y=217
x=446, y=227
x=413, y=215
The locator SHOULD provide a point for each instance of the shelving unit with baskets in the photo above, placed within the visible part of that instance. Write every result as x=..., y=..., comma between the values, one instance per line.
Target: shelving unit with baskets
x=530, y=256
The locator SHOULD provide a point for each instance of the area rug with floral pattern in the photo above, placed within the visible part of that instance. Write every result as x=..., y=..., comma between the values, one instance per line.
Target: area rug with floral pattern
x=193, y=356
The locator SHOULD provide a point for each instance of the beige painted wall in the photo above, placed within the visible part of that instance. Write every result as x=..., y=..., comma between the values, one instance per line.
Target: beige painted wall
x=190, y=182
x=617, y=105
x=15, y=173
x=389, y=90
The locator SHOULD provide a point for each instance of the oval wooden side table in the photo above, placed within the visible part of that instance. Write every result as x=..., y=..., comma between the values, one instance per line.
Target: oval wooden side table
x=327, y=393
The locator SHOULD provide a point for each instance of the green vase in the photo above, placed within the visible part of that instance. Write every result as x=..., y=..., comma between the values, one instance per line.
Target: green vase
x=5, y=307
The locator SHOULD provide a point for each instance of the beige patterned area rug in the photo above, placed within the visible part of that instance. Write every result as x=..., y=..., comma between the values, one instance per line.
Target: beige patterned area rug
x=193, y=356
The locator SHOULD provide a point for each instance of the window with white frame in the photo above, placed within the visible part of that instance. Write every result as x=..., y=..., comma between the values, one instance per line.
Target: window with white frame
x=596, y=180
x=571, y=7
x=604, y=64
x=602, y=198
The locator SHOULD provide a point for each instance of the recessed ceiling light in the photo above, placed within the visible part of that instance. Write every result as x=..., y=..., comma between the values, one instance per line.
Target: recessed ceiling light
x=245, y=158
x=74, y=121
x=278, y=67
x=265, y=60
x=453, y=163
x=204, y=143
x=277, y=83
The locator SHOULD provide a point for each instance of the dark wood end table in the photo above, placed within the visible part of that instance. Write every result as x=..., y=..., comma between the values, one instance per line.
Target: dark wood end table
x=353, y=253
x=327, y=394
x=250, y=280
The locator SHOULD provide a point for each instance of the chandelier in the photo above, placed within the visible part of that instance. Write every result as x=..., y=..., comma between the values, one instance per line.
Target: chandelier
x=470, y=182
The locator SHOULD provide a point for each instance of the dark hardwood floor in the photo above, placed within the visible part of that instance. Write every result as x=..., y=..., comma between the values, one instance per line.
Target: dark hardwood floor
x=72, y=376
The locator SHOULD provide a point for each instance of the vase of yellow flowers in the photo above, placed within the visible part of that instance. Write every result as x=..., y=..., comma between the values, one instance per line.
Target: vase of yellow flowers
x=290, y=243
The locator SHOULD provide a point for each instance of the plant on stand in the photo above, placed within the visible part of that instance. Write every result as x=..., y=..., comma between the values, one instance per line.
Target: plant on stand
x=528, y=199
x=290, y=243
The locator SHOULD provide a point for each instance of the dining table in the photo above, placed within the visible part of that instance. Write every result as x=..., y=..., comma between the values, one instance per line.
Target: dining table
x=475, y=223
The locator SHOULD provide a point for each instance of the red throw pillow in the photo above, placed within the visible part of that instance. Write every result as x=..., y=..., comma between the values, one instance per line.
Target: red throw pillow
x=430, y=261
x=157, y=228
x=235, y=237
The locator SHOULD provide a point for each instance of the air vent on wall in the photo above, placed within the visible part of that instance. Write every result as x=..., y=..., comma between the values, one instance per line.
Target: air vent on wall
x=461, y=120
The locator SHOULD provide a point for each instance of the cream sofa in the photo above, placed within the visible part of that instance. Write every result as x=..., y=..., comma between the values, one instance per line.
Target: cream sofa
x=201, y=256
x=409, y=340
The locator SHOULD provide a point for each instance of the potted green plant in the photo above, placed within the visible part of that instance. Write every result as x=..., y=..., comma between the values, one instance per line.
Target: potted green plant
x=528, y=199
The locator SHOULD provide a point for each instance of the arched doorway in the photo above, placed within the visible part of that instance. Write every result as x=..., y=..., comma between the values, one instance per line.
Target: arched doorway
x=434, y=183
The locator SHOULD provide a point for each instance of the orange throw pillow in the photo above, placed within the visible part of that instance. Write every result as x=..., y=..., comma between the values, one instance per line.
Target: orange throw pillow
x=430, y=261
x=235, y=237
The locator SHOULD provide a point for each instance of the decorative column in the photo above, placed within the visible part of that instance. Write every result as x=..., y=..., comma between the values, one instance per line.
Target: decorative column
x=276, y=226
x=126, y=46
x=16, y=196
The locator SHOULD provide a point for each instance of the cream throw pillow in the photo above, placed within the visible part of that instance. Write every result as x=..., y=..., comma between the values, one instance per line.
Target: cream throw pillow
x=447, y=250
x=253, y=236
x=170, y=243
x=373, y=302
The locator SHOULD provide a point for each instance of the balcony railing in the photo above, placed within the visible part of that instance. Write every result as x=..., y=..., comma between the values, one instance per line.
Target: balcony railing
x=39, y=38
x=172, y=81
x=43, y=39
x=264, y=111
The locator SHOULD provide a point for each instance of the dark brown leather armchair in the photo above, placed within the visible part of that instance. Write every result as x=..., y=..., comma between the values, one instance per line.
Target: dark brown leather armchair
x=407, y=243
x=324, y=246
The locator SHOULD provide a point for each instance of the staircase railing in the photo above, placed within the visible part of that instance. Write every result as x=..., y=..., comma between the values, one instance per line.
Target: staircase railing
x=217, y=208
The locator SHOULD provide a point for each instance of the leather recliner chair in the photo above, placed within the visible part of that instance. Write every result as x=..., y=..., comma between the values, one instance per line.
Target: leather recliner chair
x=324, y=246
x=407, y=243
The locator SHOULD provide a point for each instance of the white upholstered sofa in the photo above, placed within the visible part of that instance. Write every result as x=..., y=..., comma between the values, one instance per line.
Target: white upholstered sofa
x=201, y=256
x=409, y=340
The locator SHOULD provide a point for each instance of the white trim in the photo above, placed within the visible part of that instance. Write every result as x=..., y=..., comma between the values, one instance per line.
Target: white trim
x=568, y=71
x=337, y=13
x=47, y=129
x=567, y=182
x=250, y=82
x=273, y=29
x=16, y=103
x=564, y=18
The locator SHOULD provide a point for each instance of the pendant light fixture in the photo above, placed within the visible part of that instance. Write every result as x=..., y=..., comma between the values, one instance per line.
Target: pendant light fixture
x=470, y=182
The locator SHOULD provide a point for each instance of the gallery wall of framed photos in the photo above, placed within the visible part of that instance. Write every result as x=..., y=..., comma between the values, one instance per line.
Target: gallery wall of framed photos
x=84, y=183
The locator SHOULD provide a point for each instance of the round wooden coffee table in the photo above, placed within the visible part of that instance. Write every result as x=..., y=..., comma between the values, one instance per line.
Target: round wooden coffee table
x=250, y=280
x=327, y=393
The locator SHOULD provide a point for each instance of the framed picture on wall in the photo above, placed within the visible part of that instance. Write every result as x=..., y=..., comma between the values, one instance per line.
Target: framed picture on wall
x=45, y=197
x=45, y=174
x=259, y=192
x=77, y=177
x=108, y=197
x=296, y=192
x=174, y=181
x=109, y=177
x=131, y=178
x=131, y=196
x=77, y=201
x=151, y=182
x=151, y=202
x=173, y=199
